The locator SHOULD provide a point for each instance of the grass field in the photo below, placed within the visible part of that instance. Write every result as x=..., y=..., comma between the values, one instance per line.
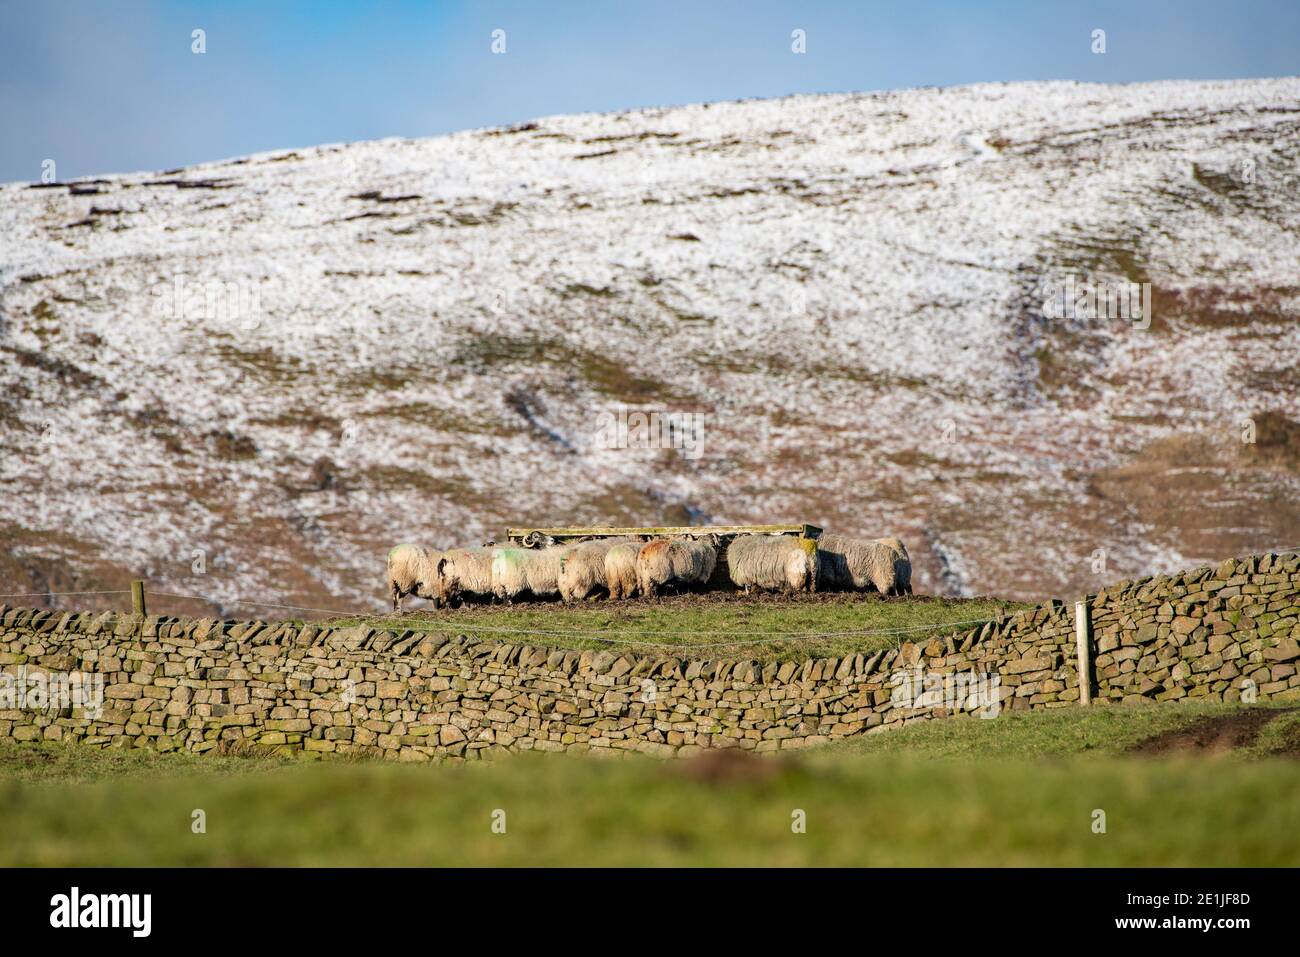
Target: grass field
x=1022, y=789
x=720, y=624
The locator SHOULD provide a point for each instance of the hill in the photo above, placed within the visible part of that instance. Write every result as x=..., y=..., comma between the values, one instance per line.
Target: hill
x=250, y=378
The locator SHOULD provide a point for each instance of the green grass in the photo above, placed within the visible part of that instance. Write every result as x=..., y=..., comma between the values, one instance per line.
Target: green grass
x=1100, y=730
x=1281, y=734
x=27, y=764
x=1017, y=790
x=713, y=626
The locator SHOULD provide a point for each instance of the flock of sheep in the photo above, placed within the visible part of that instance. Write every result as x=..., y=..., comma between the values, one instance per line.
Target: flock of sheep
x=623, y=567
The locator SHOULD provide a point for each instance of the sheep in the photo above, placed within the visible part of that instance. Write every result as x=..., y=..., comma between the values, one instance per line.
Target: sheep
x=543, y=569
x=508, y=578
x=620, y=570
x=416, y=570
x=675, y=561
x=773, y=563
x=582, y=568
x=862, y=564
x=902, y=566
x=517, y=570
x=470, y=571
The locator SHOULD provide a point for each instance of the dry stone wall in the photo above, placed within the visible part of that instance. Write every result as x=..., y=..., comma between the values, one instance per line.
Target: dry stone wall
x=202, y=684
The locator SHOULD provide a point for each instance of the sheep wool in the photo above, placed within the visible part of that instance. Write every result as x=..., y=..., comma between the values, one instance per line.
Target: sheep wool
x=519, y=570
x=674, y=561
x=542, y=569
x=772, y=563
x=860, y=564
x=509, y=580
x=416, y=570
x=582, y=568
x=620, y=570
x=902, y=566
x=470, y=571
x=406, y=566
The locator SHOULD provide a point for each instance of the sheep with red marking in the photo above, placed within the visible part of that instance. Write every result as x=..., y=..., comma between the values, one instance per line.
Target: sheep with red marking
x=620, y=570
x=582, y=568
x=682, y=562
x=469, y=571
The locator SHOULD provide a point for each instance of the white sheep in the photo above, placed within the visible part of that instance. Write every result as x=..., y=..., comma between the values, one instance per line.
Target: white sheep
x=416, y=570
x=772, y=563
x=519, y=570
x=902, y=566
x=620, y=570
x=862, y=564
x=469, y=571
x=582, y=568
x=543, y=570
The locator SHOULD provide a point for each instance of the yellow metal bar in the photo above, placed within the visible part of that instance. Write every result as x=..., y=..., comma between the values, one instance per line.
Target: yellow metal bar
x=661, y=531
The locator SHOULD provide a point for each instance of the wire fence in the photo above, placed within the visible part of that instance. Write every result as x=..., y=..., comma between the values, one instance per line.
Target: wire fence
x=632, y=637
x=58, y=594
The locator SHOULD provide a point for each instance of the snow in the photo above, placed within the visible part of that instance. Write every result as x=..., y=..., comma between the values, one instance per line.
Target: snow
x=859, y=285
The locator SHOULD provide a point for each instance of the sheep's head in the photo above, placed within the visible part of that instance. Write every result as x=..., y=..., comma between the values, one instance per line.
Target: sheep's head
x=439, y=587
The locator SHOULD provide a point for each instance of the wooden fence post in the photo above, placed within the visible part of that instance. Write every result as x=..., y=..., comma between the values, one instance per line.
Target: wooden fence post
x=1082, y=625
x=137, y=598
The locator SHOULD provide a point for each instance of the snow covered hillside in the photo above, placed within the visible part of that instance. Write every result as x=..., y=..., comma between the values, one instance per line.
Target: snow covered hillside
x=251, y=378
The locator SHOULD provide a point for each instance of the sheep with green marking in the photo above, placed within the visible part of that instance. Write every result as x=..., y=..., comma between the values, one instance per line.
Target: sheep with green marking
x=772, y=563
x=516, y=571
x=509, y=579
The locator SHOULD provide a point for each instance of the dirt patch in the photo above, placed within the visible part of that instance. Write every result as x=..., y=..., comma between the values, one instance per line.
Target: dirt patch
x=730, y=598
x=1213, y=493
x=731, y=765
x=1217, y=735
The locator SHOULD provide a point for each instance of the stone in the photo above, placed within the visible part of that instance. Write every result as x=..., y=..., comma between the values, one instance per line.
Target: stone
x=412, y=696
x=450, y=734
x=1287, y=650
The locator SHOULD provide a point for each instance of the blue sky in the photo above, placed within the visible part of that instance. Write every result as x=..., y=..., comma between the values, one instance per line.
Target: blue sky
x=113, y=86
